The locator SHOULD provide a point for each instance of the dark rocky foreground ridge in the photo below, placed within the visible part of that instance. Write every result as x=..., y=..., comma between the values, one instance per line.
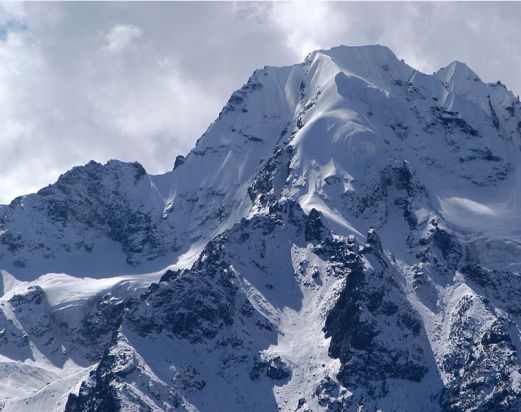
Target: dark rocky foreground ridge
x=342, y=238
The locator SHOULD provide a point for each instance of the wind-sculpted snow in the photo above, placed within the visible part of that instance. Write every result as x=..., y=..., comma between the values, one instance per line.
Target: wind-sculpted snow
x=343, y=237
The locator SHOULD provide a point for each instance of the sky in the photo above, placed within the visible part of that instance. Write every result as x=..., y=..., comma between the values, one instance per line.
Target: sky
x=143, y=81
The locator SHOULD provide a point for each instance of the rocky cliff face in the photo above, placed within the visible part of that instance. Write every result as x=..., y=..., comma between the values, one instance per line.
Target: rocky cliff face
x=342, y=238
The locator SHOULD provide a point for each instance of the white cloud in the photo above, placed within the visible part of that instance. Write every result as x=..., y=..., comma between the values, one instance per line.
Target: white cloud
x=307, y=26
x=121, y=36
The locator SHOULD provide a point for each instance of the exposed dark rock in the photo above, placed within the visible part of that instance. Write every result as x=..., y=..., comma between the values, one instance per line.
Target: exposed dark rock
x=358, y=338
x=267, y=185
x=109, y=386
x=274, y=367
x=314, y=227
x=493, y=115
x=179, y=160
x=480, y=363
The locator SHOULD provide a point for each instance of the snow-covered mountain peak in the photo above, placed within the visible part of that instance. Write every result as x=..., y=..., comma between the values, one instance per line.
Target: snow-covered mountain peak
x=345, y=114
x=457, y=72
x=461, y=80
x=377, y=65
x=359, y=58
x=343, y=237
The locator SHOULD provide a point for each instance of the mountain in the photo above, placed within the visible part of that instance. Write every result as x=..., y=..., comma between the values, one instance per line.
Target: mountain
x=344, y=237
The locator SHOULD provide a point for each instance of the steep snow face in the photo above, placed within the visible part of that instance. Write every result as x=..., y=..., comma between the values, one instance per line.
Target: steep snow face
x=457, y=134
x=342, y=238
x=208, y=192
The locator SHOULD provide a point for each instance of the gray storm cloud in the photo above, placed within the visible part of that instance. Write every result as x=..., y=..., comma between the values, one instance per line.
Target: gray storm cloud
x=142, y=81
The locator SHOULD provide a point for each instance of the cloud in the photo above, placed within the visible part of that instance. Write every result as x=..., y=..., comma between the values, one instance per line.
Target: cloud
x=142, y=81
x=307, y=27
x=121, y=37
